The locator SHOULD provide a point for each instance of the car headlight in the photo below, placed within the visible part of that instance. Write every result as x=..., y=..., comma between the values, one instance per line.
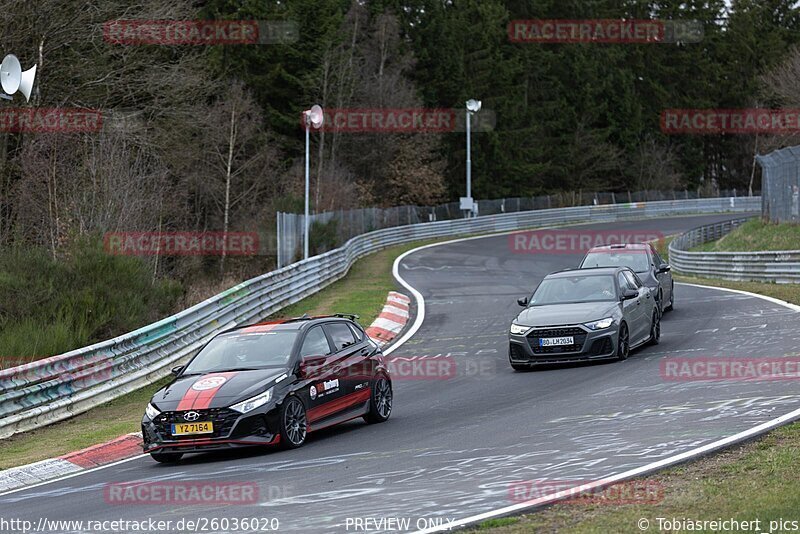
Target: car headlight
x=253, y=402
x=151, y=411
x=599, y=325
x=518, y=329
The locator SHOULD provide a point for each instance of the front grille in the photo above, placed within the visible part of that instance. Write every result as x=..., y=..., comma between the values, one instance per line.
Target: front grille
x=223, y=419
x=578, y=335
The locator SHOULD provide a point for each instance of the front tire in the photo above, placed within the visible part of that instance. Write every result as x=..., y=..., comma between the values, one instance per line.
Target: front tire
x=671, y=299
x=655, y=328
x=166, y=457
x=380, y=401
x=294, y=423
x=623, y=343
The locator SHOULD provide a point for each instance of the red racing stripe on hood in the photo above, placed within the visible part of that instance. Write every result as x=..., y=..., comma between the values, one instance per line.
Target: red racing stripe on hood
x=202, y=392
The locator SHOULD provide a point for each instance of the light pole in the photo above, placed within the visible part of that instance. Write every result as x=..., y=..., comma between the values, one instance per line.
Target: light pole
x=312, y=117
x=473, y=106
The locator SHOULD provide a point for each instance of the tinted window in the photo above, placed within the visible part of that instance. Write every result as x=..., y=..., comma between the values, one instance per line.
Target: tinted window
x=254, y=350
x=315, y=344
x=574, y=289
x=341, y=335
x=657, y=259
x=633, y=280
x=357, y=332
x=635, y=259
x=623, y=282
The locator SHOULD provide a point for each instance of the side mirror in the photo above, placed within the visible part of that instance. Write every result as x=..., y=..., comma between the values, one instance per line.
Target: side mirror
x=176, y=370
x=523, y=301
x=664, y=268
x=628, y=294
x=308, y=363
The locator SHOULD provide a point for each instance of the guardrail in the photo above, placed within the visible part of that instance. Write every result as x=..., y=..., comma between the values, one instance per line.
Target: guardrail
x=779, y=266
x=49, y=390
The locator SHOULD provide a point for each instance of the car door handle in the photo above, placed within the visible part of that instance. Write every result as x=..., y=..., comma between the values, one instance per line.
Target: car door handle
x=364, y=352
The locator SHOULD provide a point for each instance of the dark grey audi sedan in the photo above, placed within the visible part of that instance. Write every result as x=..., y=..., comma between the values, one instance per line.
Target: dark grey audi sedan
x=584, y=314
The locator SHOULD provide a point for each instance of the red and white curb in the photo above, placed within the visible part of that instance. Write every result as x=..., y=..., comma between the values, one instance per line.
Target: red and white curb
x=117, y=449
x=392, y=319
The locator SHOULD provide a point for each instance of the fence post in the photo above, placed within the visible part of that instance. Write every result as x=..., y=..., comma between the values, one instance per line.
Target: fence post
x=278, y=232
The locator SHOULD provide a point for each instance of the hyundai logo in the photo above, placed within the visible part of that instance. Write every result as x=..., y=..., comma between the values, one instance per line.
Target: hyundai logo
x=191, y=416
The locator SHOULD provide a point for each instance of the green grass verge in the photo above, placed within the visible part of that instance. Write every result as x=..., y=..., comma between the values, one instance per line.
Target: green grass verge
x=757, y=480
x=756, y=235
x=787, y=292
x=363, y=291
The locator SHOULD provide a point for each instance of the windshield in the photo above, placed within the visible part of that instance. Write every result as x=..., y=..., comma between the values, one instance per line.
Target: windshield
x=574, y=289
x=239, y=351
x=633, y=259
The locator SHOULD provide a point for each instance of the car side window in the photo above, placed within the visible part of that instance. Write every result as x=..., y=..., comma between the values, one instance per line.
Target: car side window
x=657, y=259
x=341, y=335
x=315, y=343
x=357, y=332
x=623, y=282
x=633, y=280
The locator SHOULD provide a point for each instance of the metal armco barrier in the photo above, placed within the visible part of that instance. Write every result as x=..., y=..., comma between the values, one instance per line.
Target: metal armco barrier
x=780, y=267
x=49, y=390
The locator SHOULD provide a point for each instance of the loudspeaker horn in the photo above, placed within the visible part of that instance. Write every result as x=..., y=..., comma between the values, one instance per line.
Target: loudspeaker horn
x=26, y=82
x=10, y=74
x=314, y=116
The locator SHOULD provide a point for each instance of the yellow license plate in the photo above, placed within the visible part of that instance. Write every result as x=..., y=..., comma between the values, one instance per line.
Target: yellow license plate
x=182, y=429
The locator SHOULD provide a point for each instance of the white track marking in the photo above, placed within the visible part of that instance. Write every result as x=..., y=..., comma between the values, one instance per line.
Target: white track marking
x=79, y=473
x=639, y=471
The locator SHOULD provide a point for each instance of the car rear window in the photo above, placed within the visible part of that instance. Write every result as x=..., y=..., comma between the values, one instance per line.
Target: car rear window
x=635, y=259
x=357, y=332
x=341, y=335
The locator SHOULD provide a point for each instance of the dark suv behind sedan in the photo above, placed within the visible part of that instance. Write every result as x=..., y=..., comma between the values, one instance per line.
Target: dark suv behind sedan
x=644, y=260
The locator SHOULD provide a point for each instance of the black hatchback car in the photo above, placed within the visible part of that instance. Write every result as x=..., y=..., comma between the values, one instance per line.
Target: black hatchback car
x=268, y=384
x=644, y=260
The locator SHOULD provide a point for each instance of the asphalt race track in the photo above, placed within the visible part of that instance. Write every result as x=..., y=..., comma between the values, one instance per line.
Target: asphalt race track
x=454, y=446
